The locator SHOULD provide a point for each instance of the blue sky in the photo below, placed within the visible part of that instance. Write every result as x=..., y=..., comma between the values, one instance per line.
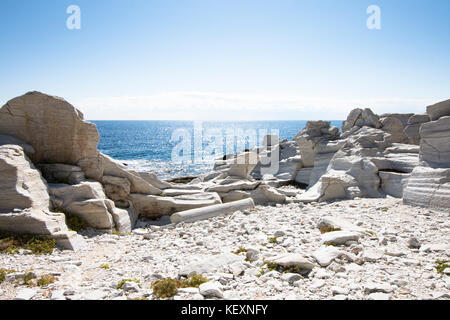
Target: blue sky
x=228, y=59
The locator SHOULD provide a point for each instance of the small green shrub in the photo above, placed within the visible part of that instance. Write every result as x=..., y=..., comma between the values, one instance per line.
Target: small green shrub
x=273, y=240
x=328, y=229
x=37, y=244
x=168, y=287
x=46, y=279
x=240, y=250
x=105, y=266
x=4, y=272
x=74, y=222
x=441, y=265
x=29, y=279
x=121, y=282
x=272, y=266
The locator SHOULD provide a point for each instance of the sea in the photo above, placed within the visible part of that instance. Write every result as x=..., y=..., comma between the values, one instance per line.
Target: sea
x=186, y=148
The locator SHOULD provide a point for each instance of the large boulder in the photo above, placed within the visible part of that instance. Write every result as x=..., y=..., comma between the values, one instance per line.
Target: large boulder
x=360, y=118
x=428, y=187
x=88, y=201
x=352, y=171
x=153, y=207
x=435, y=143
x=438, y=110
x=314, y=133
x=429, y=183
x=52, y=126
x=413, y=127
x=395, y=127
x=24, y=201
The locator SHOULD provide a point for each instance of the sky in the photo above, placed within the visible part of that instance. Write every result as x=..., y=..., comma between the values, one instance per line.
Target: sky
x=227, y=59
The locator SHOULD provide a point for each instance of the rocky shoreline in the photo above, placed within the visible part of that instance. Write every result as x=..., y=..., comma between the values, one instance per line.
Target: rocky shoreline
x=357, y=214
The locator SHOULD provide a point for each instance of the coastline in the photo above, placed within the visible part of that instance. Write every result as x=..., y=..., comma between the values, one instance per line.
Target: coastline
x=360, y=213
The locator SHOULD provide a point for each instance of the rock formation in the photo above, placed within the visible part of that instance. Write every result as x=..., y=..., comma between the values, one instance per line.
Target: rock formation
x=24, y=201
x=50, y=163
x=429, y=184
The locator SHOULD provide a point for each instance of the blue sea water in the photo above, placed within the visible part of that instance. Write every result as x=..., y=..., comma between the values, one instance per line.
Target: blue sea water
x=148, y=145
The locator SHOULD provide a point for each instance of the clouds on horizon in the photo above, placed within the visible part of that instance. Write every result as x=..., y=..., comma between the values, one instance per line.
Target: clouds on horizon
x=184, y=105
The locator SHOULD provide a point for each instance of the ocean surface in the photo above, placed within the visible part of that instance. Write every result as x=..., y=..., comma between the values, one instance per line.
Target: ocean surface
x=184, y=148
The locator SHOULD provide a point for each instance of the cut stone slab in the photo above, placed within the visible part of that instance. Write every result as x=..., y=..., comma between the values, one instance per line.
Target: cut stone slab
x=340, y=223
x=211, y=211
x=154, y=207
x=293, y=260
x=26, y=294
x=326, y=254
x=53, y=127
x=339, y=237
x=210, y=264
x=439, y=110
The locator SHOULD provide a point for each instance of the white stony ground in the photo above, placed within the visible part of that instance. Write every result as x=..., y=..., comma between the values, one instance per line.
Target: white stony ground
x=378, y=266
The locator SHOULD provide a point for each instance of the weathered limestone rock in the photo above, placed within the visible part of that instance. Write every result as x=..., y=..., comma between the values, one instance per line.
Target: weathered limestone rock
x=154, y=206
x=293, y=260
x=435, y=143
x=361, y=118
x=332, y=185
x=266, y=194
x=428, y=187
x=339, y=237
x=88, y=201
x=395, y=128
x=52, y=126
x=209, y=264
x=211, y=211
x=413, y=127
x=282, y=162
x=152, y=179
x=61, y=173
x=340, y=223
x=326, y=254
x=314, y=133
x=303, y=175
x=438, y=110
x=393, y=183
x=24, y=201
x=116, y=188
x=324, y=153
x=22, y=185
x=243, y=165
x=225, y=187
x=4, y=139
x=137, y=184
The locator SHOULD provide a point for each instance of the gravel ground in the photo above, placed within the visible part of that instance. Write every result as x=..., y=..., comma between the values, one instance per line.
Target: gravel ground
x=394, y=257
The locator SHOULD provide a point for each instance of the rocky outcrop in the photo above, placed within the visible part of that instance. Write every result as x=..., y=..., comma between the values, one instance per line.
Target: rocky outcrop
x=61, y=173
x=428, y=187
x=395, y=124
x=154, y=206
x=429, y=183
x=52, y=126
x=88, y=201
x=438, y=110
x=435, y=143
x=24, y=201
x=360, y=118
x=413, y=127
